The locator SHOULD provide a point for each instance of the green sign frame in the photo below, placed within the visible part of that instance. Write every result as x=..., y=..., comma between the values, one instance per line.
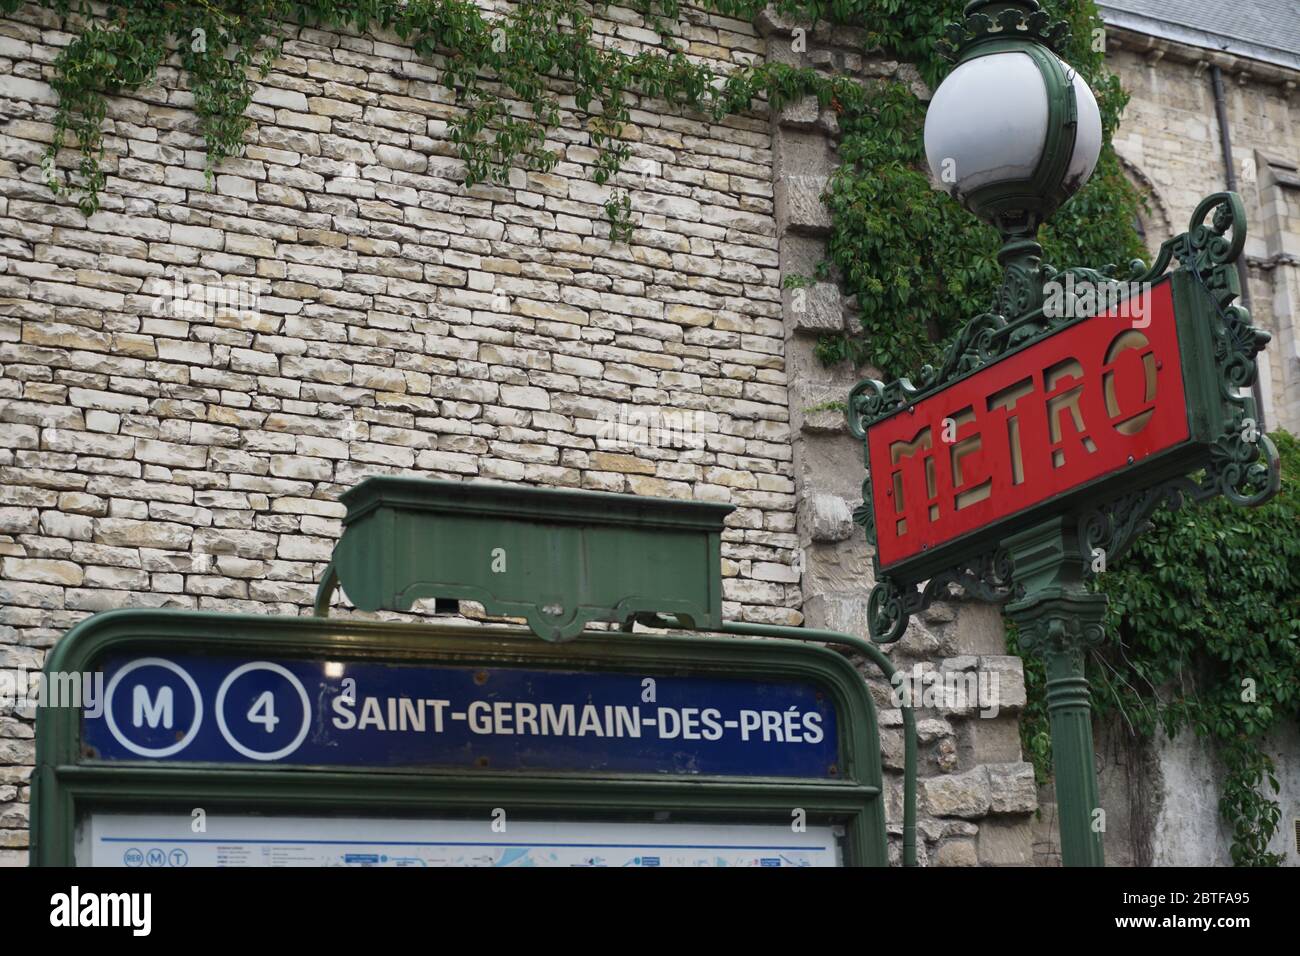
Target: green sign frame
x=68, y=782
x=1218, y=347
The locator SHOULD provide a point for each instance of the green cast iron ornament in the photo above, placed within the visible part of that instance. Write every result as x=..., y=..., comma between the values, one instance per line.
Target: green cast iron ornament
x=1060, y=419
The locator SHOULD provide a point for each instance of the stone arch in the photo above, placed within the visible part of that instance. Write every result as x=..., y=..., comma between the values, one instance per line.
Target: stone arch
x=1154, y=223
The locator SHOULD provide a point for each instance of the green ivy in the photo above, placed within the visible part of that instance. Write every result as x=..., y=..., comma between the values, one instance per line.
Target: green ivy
x=1203, y=635
x=490, y=62
x=914, y=293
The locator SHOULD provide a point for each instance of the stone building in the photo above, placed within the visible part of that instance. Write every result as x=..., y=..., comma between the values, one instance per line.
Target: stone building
x=1167, y=54
x=381, y=318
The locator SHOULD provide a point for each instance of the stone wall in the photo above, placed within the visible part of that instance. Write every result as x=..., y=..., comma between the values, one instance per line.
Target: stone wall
x=149, y=456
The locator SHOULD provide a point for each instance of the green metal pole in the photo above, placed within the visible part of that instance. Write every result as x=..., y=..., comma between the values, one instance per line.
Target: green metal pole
x=1059, y=619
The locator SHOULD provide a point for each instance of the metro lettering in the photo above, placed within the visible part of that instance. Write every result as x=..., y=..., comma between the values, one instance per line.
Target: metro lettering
x=1084, y=403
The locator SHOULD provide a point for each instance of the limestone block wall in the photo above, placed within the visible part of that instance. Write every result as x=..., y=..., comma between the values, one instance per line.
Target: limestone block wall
x=378, y=318
x=191, y=376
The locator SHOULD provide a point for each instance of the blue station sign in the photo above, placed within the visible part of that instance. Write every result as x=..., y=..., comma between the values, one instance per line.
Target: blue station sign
x=287, y=711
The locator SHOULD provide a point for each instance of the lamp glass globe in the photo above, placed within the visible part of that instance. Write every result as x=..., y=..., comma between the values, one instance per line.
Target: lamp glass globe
x=987, y=122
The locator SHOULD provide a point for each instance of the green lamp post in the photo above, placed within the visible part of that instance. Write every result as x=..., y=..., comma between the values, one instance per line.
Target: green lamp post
x=994, y=503
x=1012, y=133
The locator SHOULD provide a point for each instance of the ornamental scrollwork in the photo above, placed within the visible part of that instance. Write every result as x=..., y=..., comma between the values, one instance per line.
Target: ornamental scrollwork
x=988, y=577
x=871, y=400
x=1070, y=625
x=1236, y=343
x=979, y=342
x=1037, y=26
x=865, y=514
x=1023, y=278
x=1109, y=529
x=1243, y=467
x=1206, y=248
x=890, y=608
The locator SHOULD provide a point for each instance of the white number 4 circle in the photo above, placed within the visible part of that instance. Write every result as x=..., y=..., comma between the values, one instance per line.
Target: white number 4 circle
x=263, y=712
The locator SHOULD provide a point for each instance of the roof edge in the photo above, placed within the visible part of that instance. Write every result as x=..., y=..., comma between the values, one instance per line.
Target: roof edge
x=1195, y=37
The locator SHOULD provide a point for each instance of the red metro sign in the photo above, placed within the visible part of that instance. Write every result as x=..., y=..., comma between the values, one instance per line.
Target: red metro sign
x=1093, y=400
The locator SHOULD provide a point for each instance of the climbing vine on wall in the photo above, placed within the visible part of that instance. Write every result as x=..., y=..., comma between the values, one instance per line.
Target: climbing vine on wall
x=507, y=73
x=917, y=262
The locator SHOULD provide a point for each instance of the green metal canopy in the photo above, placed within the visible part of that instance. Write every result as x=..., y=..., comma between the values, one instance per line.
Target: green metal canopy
x=560, y=559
